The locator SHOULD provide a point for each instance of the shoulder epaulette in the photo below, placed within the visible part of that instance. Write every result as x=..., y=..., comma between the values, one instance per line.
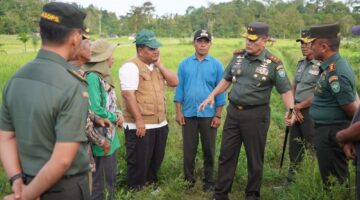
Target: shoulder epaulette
x=331, y=67
x=77, y=76
x=302, y=59
x=239, y=52
x=274, y=59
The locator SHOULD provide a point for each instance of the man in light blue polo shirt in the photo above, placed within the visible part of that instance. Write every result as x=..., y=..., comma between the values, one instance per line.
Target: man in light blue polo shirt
x=198, y=75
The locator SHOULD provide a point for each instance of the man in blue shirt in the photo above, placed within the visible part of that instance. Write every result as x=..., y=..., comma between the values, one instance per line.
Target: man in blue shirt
x=198, y=75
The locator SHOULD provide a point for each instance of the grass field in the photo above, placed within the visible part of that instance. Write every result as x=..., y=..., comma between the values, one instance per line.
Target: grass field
x=308, y=185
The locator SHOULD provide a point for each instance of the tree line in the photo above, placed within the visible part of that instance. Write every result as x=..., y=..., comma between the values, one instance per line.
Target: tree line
x=286, y=18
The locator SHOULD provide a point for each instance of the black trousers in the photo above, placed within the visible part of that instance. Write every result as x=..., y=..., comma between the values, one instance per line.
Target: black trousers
x=73, y=187
x=190, y=131
x=301, y=137
x=144, y=156
x=331, y=158
x=248, y=127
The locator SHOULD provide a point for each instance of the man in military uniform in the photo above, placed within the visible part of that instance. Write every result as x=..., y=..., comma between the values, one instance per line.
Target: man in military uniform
x=253, y=73
x=334, y=102
x=302, y=130
x=350, y=137
x=43, y=115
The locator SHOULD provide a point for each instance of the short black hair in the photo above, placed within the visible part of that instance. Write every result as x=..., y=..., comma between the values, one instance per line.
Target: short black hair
x=52, y=33
x=140, y=46
x=333, y=43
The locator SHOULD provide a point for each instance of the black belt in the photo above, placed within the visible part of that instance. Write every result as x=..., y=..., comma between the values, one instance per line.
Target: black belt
x=246, y=107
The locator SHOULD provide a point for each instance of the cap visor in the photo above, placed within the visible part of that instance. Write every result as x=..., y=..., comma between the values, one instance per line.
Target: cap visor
x=154, y=44
x=203, y=37
x=250, y=36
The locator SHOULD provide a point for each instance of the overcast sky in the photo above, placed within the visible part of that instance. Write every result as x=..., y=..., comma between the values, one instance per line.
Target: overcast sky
x=121, y=7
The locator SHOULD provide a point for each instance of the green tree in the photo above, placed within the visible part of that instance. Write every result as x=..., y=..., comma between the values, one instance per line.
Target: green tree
x=23, y=37
x=35, y=40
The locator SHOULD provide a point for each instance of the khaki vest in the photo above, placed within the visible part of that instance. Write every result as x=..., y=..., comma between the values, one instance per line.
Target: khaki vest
x=150, y=95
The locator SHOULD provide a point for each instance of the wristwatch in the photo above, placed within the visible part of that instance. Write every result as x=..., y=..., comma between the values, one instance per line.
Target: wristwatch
x=15, y=177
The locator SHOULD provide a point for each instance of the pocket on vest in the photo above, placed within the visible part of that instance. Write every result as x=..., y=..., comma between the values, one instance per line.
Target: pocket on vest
x=146, y=106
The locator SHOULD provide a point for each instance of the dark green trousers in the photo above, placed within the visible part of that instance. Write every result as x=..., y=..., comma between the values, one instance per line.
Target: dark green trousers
x=73, y=187
x=248, y=127
x=301, y=137
x=331, y=158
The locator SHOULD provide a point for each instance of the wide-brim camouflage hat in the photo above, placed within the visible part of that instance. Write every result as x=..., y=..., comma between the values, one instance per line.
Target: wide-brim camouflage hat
x=148, y=38
x=101, y=50
x=256, y=29
x=326, y=31
x=304, y=37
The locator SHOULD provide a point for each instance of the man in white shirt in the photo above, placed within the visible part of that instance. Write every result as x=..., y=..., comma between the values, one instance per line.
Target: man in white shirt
x=142, y=81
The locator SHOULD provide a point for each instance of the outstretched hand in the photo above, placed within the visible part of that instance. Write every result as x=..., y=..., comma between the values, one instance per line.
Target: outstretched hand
x=210, y=100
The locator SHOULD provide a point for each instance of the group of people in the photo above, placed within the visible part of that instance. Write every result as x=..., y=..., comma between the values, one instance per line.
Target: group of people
x=59, y=112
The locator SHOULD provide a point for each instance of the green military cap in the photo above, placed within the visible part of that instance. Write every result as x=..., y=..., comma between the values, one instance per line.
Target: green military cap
x=63, y=14
x=304, y=36
x=324, y=31
x=256, y=29
x=148, y=38
x=101, y=50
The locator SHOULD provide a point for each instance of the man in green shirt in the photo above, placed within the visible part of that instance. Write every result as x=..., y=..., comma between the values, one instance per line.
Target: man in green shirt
x=253, y=73
x=43, y=115
x=302, y=130
x=334, y=102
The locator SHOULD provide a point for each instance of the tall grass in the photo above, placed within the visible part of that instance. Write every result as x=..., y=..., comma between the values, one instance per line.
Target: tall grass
x=308, y=182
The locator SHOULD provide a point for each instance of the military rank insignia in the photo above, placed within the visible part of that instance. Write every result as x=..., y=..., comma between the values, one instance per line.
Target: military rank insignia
x=281, y=71
x=334, y=83
x=332, y=67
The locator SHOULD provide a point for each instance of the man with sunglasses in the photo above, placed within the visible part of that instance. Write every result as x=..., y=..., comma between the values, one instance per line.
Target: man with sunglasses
x=334, y=103
x=142, y=81
x=253, y=73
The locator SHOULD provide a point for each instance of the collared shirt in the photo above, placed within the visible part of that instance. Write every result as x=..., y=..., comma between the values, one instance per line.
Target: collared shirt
x=44, y=104
x=335, y=88
x=253, y=78
x=307, y=74
x=197, y=79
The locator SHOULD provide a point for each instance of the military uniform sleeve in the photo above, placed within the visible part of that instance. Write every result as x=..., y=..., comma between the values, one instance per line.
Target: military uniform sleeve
x=227, y=73
x=5, y=117
x=95, y=98
x=71, y=119
x=179, y=92
x=342, y=89
x=219, y=99
x=282, y=83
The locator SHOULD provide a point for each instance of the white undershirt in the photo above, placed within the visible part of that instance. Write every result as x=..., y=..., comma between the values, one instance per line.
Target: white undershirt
x=129, y=80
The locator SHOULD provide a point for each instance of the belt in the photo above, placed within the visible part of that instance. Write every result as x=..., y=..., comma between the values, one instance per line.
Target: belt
x=30, y=177
x=246, y=107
